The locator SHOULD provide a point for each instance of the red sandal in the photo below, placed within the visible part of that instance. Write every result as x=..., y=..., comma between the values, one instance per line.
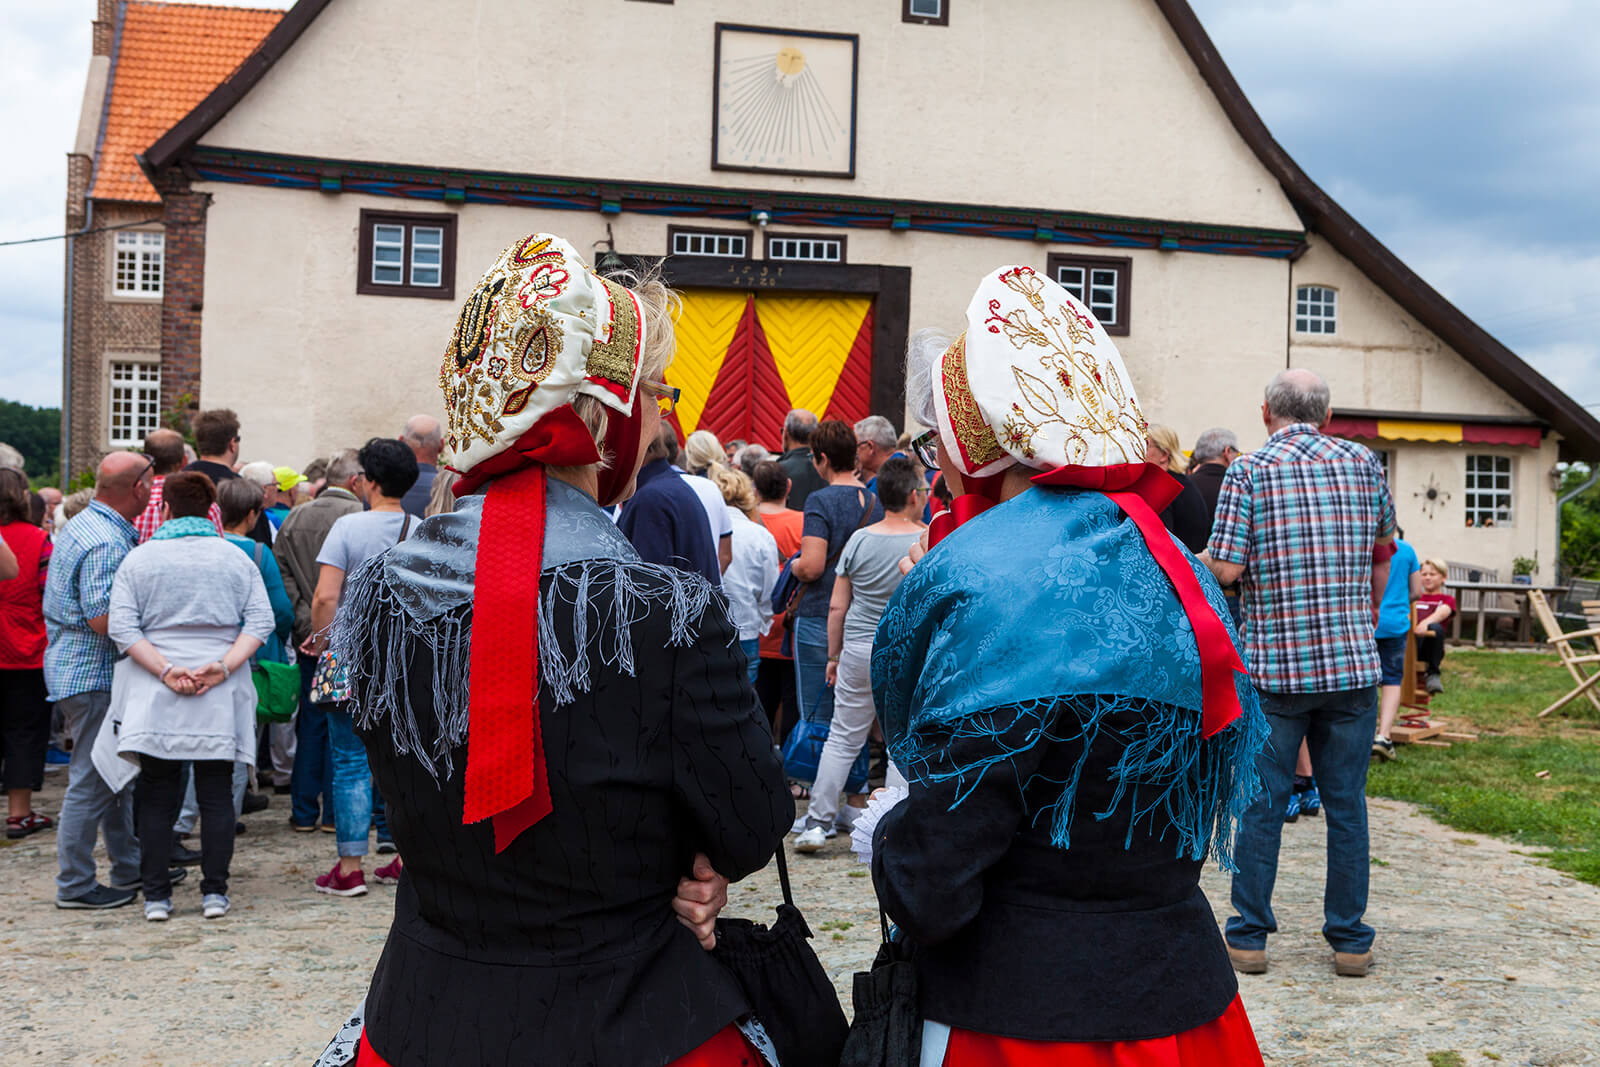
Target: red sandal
x=23, y=825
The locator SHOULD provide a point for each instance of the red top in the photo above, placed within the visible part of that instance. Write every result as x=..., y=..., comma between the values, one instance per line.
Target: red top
x=22, y=636
x=1428, y=603
x=785, y=528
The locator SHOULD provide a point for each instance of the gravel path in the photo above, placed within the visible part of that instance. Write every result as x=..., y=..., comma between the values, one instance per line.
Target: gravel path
x=1481, y=951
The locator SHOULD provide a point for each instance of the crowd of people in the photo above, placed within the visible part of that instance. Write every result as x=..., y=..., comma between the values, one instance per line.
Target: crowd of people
x=574, y=681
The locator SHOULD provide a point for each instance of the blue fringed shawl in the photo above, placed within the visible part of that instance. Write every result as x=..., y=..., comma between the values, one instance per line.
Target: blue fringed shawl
x=1050, y=611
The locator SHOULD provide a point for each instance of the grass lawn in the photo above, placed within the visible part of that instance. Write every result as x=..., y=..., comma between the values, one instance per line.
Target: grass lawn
x=1493, y=786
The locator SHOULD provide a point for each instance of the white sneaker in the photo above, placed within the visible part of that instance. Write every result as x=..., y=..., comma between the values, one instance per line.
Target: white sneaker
x=213, y=906
x=813, y=839
x=157, y=911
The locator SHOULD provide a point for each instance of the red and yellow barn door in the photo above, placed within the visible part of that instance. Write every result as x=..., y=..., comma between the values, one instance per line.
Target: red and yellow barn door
x=744, y=359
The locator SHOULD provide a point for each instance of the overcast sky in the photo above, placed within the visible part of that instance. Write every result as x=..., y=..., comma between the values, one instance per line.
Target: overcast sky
x=1464, y=133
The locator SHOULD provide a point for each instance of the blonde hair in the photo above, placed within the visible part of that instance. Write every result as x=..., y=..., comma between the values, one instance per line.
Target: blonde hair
x=738, y=491
x=440, y=497
x=702, y=451
x=1439, y=565
x=77, y=502
x=661, y=307
x=1166, y=439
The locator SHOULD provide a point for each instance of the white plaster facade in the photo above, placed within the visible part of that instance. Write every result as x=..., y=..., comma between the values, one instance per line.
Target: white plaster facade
x=970, y=112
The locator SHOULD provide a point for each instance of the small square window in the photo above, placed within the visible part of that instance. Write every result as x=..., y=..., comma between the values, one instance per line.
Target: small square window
x=407, y=255
x=925, y=12
x=1315, y=309
x=1099, y=284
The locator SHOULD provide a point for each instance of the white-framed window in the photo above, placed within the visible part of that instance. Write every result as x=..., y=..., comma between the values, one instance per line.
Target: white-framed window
x=1099, y=283
x=718, y=243
x=1386, y=461
x=403, y=254
x=1489, y=490
x=135, y=402
x=1316, y=309
x=806, y=249
x=138, y=263
x=927, y=12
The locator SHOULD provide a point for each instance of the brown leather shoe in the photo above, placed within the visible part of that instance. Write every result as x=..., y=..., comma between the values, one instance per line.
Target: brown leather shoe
x=1248, y=960
x=1351, y=964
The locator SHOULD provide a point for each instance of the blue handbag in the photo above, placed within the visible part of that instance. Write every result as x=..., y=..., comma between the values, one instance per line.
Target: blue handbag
x=803, y=748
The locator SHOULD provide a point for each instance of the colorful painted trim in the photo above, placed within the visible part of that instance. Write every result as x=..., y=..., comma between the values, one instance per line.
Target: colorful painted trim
x=783, y=209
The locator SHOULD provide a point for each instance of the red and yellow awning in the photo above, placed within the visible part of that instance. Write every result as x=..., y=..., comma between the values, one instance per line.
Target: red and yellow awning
x=1437, y=430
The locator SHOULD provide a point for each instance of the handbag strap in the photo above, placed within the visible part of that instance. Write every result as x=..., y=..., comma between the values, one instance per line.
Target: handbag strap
x=783, y=876
x=867, y=500
x=405, y=528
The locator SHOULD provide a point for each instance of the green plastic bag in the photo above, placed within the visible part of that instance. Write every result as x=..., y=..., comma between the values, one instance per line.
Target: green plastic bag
x=277, y=690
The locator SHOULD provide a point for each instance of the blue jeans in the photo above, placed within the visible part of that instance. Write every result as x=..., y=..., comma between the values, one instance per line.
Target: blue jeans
x=90, y=806
x=812, y=692
x=1338, y=727
x=352, y=782
x=752, y=657
x=311, y=781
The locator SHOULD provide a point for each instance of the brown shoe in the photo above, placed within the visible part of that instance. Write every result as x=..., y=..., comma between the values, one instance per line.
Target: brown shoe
x=1248, y=960
x=1351, y=964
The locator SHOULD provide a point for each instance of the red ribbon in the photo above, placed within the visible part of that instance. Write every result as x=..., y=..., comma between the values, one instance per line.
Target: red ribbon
x=1142, y=491
x=981, y=495
x=507, y=779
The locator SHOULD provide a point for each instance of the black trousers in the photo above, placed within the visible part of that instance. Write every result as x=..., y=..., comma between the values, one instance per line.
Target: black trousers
x=1430, y=649
x=24, y=728
x=775, y=688
x=160, y=798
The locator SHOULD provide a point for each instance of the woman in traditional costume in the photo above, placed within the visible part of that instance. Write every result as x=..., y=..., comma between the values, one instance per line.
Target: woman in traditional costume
x=562, y=733
x=1058, y=681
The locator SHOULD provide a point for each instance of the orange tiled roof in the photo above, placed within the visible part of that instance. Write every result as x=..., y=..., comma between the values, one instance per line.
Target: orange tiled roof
x=171, y=56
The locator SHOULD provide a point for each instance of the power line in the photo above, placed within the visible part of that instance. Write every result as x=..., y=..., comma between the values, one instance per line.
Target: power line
x=78, y=233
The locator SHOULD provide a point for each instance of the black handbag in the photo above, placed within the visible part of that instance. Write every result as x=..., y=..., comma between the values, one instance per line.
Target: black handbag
x=887, y=1028
x=788, y=990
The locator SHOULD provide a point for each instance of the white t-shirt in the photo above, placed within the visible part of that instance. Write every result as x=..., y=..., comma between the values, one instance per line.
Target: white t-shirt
x=750, y=576
x=716, y=508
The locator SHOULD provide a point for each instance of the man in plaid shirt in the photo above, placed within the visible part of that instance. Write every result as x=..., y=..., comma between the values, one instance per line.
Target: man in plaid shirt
x=166, y=448
x=1306, y=524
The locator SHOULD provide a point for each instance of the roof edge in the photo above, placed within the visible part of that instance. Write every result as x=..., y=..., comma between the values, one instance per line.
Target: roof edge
x=1579, y=429
x=210, y=111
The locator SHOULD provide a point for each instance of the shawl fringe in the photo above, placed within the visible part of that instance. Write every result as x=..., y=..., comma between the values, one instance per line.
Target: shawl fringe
x=1169, y=779
x=378, y=639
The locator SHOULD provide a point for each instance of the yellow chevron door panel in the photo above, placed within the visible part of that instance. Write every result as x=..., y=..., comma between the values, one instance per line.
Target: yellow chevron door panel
x=705, y=329
x=810, y=338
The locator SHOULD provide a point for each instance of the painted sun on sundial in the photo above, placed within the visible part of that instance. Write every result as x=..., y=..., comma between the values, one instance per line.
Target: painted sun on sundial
x=784, y=101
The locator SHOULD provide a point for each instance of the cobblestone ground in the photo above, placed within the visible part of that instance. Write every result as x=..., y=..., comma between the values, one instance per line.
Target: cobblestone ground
x=1481, y=951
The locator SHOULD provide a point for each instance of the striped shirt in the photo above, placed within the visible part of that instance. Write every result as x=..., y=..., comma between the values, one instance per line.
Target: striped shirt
x=148, y=521
x=88, y=551
x=1303, y=514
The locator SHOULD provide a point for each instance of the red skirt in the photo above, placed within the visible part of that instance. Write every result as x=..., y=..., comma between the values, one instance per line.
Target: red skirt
x=727, y=1048
x=1226, y=1041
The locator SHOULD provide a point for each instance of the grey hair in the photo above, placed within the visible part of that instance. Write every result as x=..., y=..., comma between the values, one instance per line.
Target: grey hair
x=1214, y=444
x=10, y=457
x=800, y=424
x=922, y=352
x=424, y=432
x=258, y=473
x=749, y=456
x=342, y=466
x=1298, y=395
x=879, y=430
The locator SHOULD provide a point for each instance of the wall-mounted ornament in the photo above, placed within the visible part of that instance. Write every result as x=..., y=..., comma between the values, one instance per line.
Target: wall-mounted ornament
x=784, y=101
x=1431, y=496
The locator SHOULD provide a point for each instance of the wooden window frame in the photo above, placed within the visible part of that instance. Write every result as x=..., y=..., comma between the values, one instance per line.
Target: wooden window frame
x=1123, y=265
x=709, y=231
x=844, y=247
x=142, y=386
x=445, y=290
x=907, y=15
x=1330, y=301
x=141, y=257
x=1474, y=493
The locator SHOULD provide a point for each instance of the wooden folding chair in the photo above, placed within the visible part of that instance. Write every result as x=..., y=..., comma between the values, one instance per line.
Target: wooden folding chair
x=1577, y=663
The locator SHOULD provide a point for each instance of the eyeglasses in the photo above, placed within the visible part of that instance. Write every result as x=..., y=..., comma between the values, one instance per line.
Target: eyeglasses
x=666, y=395
x=925, y=446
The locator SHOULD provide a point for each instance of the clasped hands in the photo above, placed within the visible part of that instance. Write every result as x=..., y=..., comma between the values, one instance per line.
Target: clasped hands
x=193, y=681
x=700, y=897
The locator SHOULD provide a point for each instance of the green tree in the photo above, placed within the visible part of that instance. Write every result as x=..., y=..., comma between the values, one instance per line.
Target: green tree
x=1580, y=525
x=35, y=432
